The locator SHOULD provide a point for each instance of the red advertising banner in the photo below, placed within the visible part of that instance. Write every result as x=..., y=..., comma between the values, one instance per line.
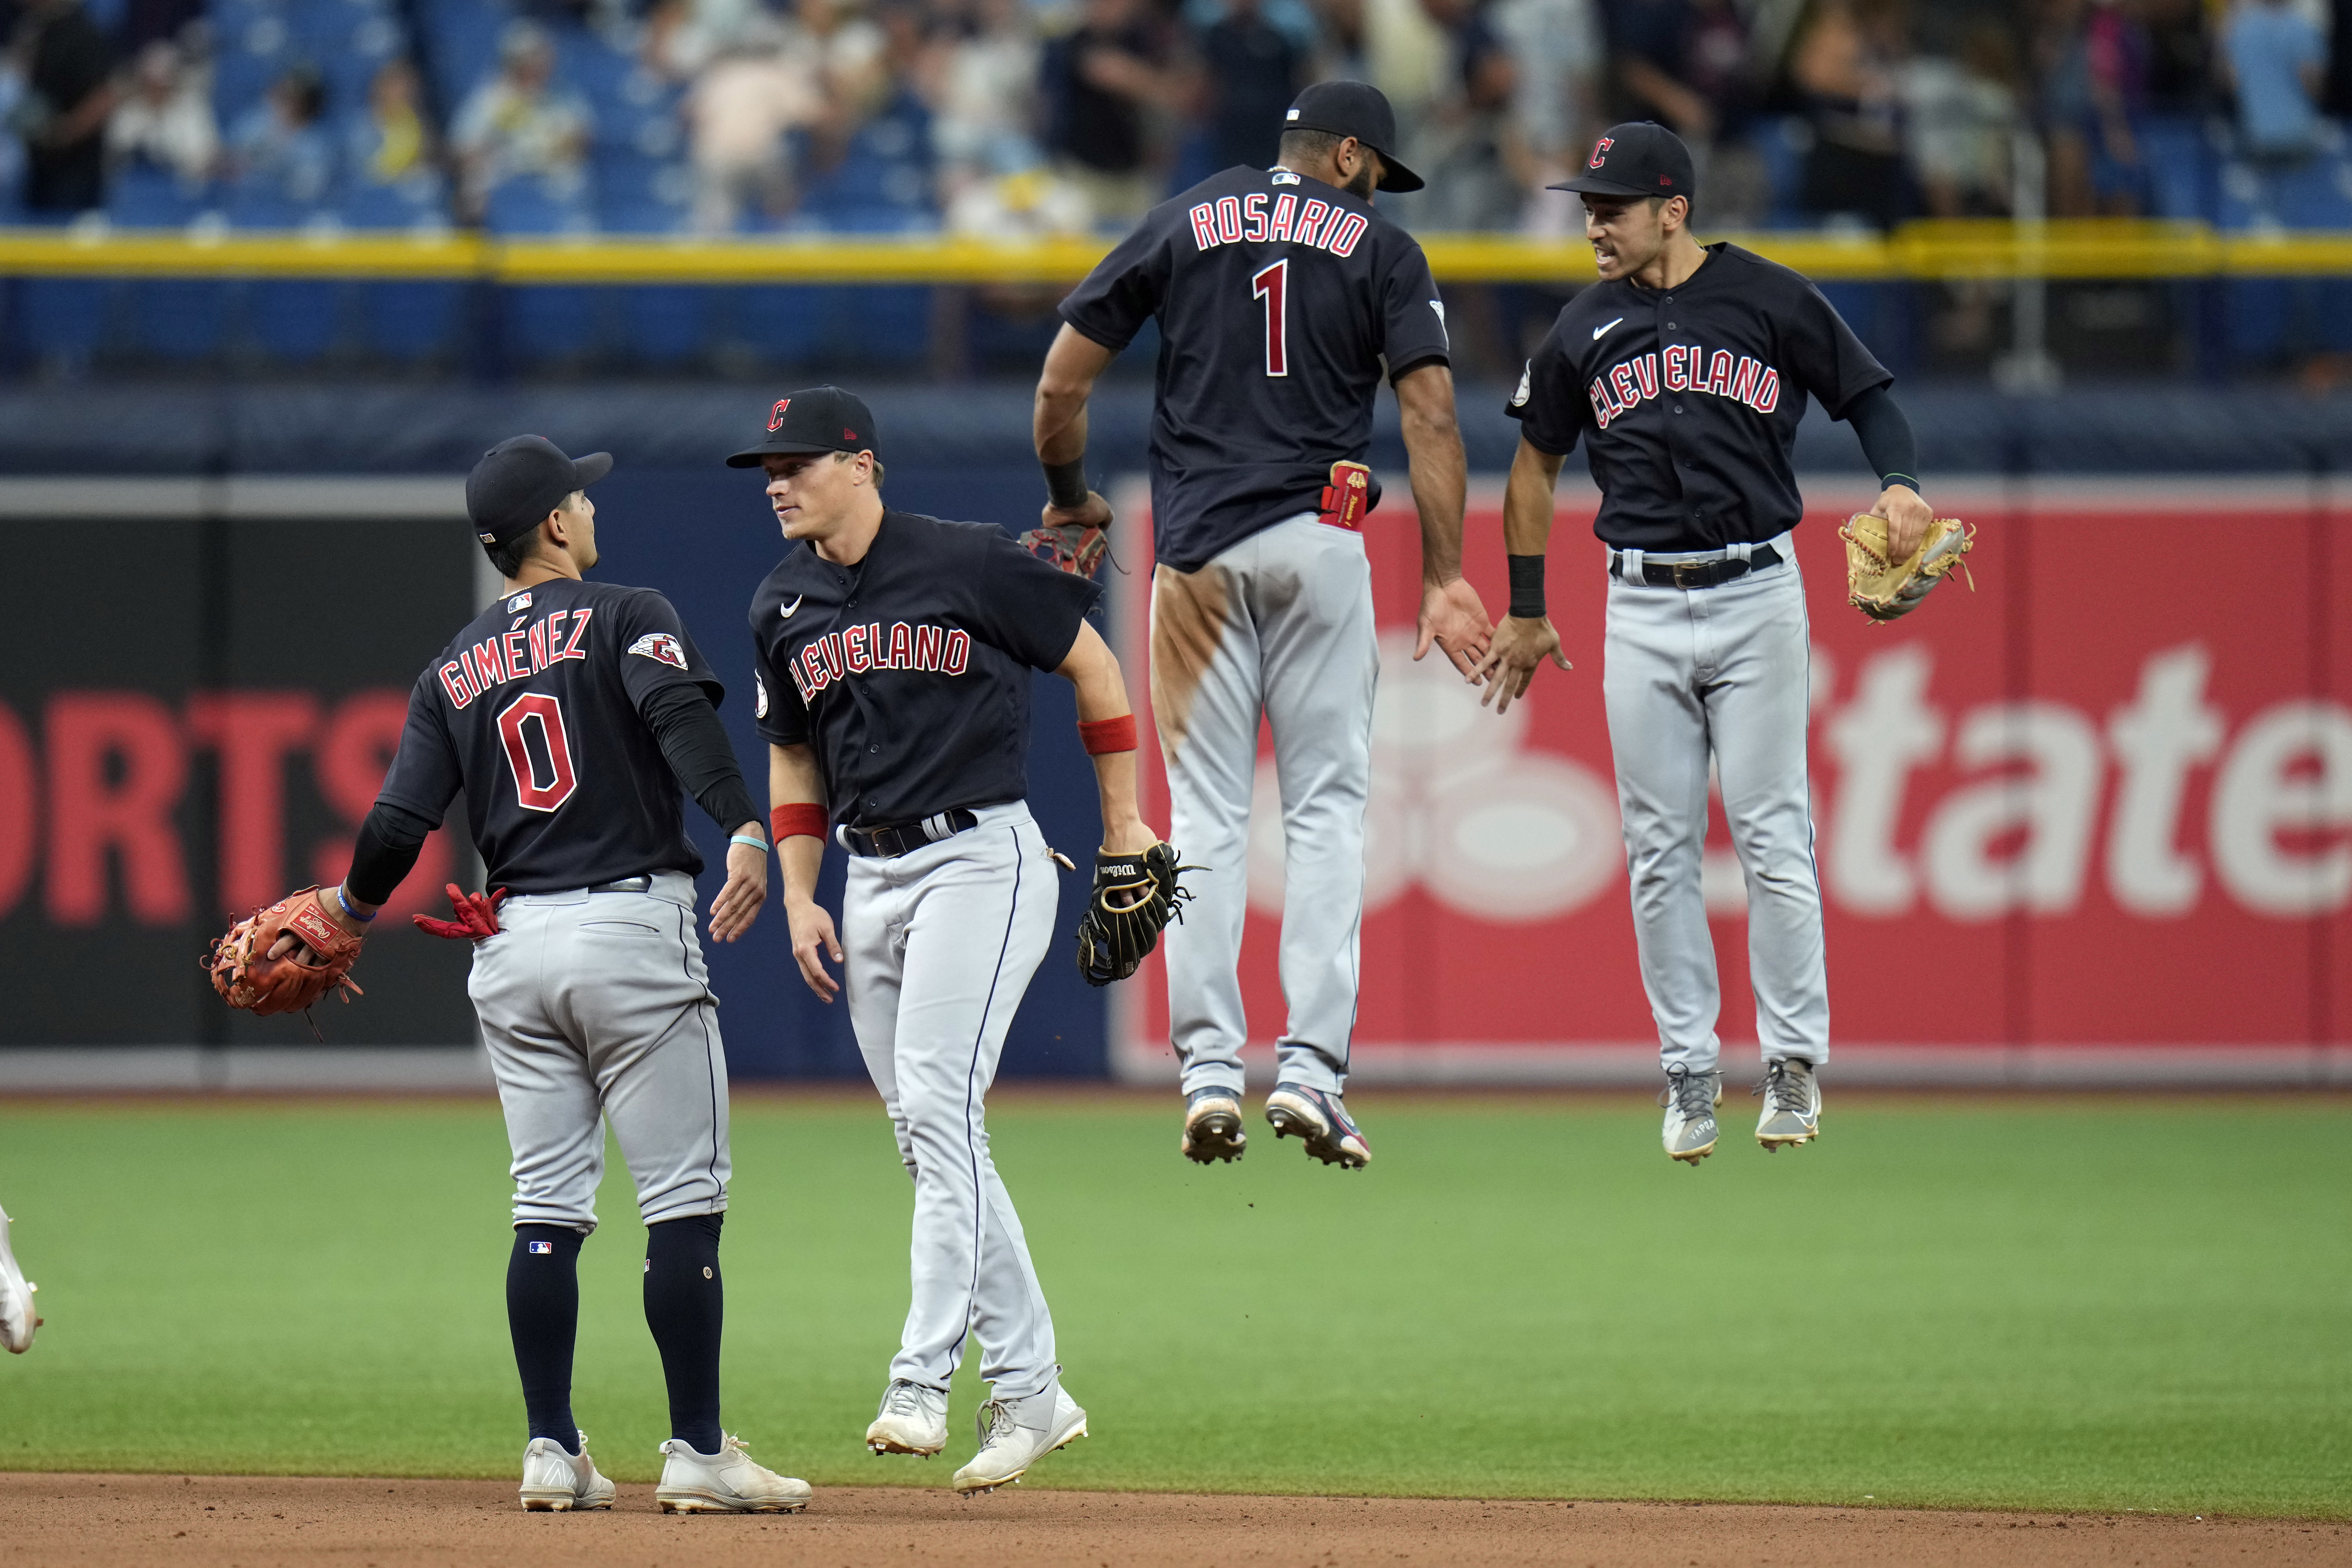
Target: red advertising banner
x=2098, y=812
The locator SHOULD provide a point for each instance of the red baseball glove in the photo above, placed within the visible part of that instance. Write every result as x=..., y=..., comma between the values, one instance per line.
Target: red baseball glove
x=285, y=958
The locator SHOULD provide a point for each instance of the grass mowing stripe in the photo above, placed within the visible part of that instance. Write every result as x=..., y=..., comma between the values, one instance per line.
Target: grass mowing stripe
x=2019, y=1304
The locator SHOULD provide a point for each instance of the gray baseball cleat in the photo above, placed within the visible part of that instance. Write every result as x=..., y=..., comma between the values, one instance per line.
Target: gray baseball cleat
x=1212, y=1126
x=1320, y=1118
x=724, y=1482
x=1690, y=1098
x=1793, y=1104
x=556, y=1482
x=1014, y=1434
x=913, y=1420
x=17, y=1318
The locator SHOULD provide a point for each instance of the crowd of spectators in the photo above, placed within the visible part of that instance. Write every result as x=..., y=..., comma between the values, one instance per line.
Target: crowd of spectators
x=1026, y=116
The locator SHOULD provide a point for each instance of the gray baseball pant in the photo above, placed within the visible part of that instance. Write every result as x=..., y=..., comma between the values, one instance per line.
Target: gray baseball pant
x=1279, y=625
x=938, y=947
x=1721, y=670
x=599, y=1003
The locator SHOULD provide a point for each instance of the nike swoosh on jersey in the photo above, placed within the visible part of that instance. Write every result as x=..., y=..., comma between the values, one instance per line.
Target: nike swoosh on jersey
x=1597, y=331
x=792, y=606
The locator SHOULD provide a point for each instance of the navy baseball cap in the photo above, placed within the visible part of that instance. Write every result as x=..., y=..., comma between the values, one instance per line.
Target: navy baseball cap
x=520, y=480
x=1640, y=158
x=1359, y=110
x=814, y=419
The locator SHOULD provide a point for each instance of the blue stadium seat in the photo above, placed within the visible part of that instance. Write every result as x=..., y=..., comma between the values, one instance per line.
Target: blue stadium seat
x=255, y=46
x=525, y=205
x=420, y=200
x=144, y=196
x=635, y=194
x=2181, y=167
x=349, y=41
x=460, y=45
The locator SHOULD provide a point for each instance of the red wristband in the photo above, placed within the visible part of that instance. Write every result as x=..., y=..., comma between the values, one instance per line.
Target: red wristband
x=1102, y=735
x=796, y=822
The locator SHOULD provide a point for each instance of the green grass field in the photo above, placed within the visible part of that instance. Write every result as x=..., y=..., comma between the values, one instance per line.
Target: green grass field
x=2050, y=1304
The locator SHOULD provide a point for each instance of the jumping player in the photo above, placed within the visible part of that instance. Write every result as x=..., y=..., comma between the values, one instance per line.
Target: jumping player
x=1284, y=298
x=894, y=654
x=1684, y=371
x=571, y=713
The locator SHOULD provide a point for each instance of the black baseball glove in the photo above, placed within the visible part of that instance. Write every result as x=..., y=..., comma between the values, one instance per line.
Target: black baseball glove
x=1134, y=898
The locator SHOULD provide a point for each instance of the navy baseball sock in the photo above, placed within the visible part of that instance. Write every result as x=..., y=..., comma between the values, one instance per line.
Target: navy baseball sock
x=686, y=1303
x=543, y=1316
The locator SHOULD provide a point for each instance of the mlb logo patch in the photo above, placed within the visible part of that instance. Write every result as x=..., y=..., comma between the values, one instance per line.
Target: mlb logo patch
x=542, y=1246
x=660, y=647
x=520, y=601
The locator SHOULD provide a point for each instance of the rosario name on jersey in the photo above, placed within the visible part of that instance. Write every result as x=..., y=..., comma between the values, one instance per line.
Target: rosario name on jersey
x=1689, y=399
x=534, y=711
x=1282, y=300
x=908, y=672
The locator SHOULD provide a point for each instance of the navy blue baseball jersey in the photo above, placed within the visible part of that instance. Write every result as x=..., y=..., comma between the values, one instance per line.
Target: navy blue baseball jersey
x=908, y=673
x=1281, y=301
x=534, y=711
x=1689, y=399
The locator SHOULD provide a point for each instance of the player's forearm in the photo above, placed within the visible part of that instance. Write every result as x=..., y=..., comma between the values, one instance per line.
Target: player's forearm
x=1528, y=501
x=1106, y=726
x=390, y=840
x=1059, y=416
x=1440, y=474
x=695, y=744
x=1888, y=443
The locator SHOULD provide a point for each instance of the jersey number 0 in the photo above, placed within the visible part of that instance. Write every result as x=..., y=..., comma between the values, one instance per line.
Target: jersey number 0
x=1271, y=284
x=532, y=794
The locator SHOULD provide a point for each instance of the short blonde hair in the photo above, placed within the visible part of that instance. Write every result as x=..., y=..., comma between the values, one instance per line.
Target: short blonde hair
x=852, y=457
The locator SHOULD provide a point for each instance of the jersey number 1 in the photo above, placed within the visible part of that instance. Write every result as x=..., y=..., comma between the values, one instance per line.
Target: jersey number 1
x=548, y=712
x=1270, y=284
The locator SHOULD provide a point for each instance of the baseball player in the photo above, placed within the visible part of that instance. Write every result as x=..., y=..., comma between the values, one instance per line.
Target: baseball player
x=18, y=1318
x=1284, y=298
x=894, y=654
x=1684, y=371
x=573, y=714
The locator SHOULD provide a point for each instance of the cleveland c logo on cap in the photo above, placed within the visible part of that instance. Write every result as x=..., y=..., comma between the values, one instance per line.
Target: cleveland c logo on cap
x=1599, y=151
x=776, y=415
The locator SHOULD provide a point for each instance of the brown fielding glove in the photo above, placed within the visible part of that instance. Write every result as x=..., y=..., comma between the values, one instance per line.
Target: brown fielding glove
x=318, y=958
x=1135, y=897
x=1886, y=590
x=1075, y=547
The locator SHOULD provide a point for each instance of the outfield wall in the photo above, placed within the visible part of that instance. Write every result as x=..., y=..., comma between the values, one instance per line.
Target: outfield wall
x=2090, y=823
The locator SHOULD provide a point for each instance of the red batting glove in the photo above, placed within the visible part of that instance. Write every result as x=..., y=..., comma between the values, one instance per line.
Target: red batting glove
x=478, y=915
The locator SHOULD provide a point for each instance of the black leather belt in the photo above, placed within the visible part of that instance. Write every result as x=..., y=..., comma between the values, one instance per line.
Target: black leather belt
x=641, y=883
x=1697, y=573
x=905, y=838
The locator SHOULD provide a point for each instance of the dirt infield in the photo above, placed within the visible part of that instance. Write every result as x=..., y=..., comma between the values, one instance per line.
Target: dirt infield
x=261, y=1521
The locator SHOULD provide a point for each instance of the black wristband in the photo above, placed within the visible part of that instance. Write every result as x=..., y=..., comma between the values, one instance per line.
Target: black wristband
x=1526, y=587
x=1887, y=481
x=1065, y=483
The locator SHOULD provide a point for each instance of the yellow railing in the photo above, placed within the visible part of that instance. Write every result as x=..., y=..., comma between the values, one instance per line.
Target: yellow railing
x=1971, y=249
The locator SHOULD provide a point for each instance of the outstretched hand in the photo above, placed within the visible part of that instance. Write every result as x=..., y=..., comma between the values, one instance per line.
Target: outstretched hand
x=1455, y=618
x=739, y=903
x=1519, y=647
x=813, y=942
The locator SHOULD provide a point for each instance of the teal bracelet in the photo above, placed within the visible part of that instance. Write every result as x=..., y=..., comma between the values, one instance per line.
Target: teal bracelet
x=759, y=844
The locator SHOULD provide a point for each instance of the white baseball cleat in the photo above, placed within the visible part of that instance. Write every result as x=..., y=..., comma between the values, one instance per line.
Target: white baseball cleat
x=1690, y=1098
x=1212, y=1126
x=1014, y=1434
x=17, y=1318
x=724, y=1482
x=1793, y=1104
x=555, y=1482
x=913, y=1420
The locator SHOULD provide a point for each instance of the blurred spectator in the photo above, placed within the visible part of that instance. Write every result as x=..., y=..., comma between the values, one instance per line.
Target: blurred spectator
x=682, y=36
x=166, y=120
x=146, y=22
x=1473, y=184
x=1961, y=117
x=278, y=152
x=1252, y=70
x=1685, y=63
x=2338, y=101
x=2275, y=62
x=1846, y=64
x=519, y=123
x=2180, y=63
x=2096, y=67
x=1105, y=83
x=847, y=49
x=390, y=141
x=738, y=114
x=1554, y=107
x=1031, y=203
x=987, y=98
x=68, y=69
